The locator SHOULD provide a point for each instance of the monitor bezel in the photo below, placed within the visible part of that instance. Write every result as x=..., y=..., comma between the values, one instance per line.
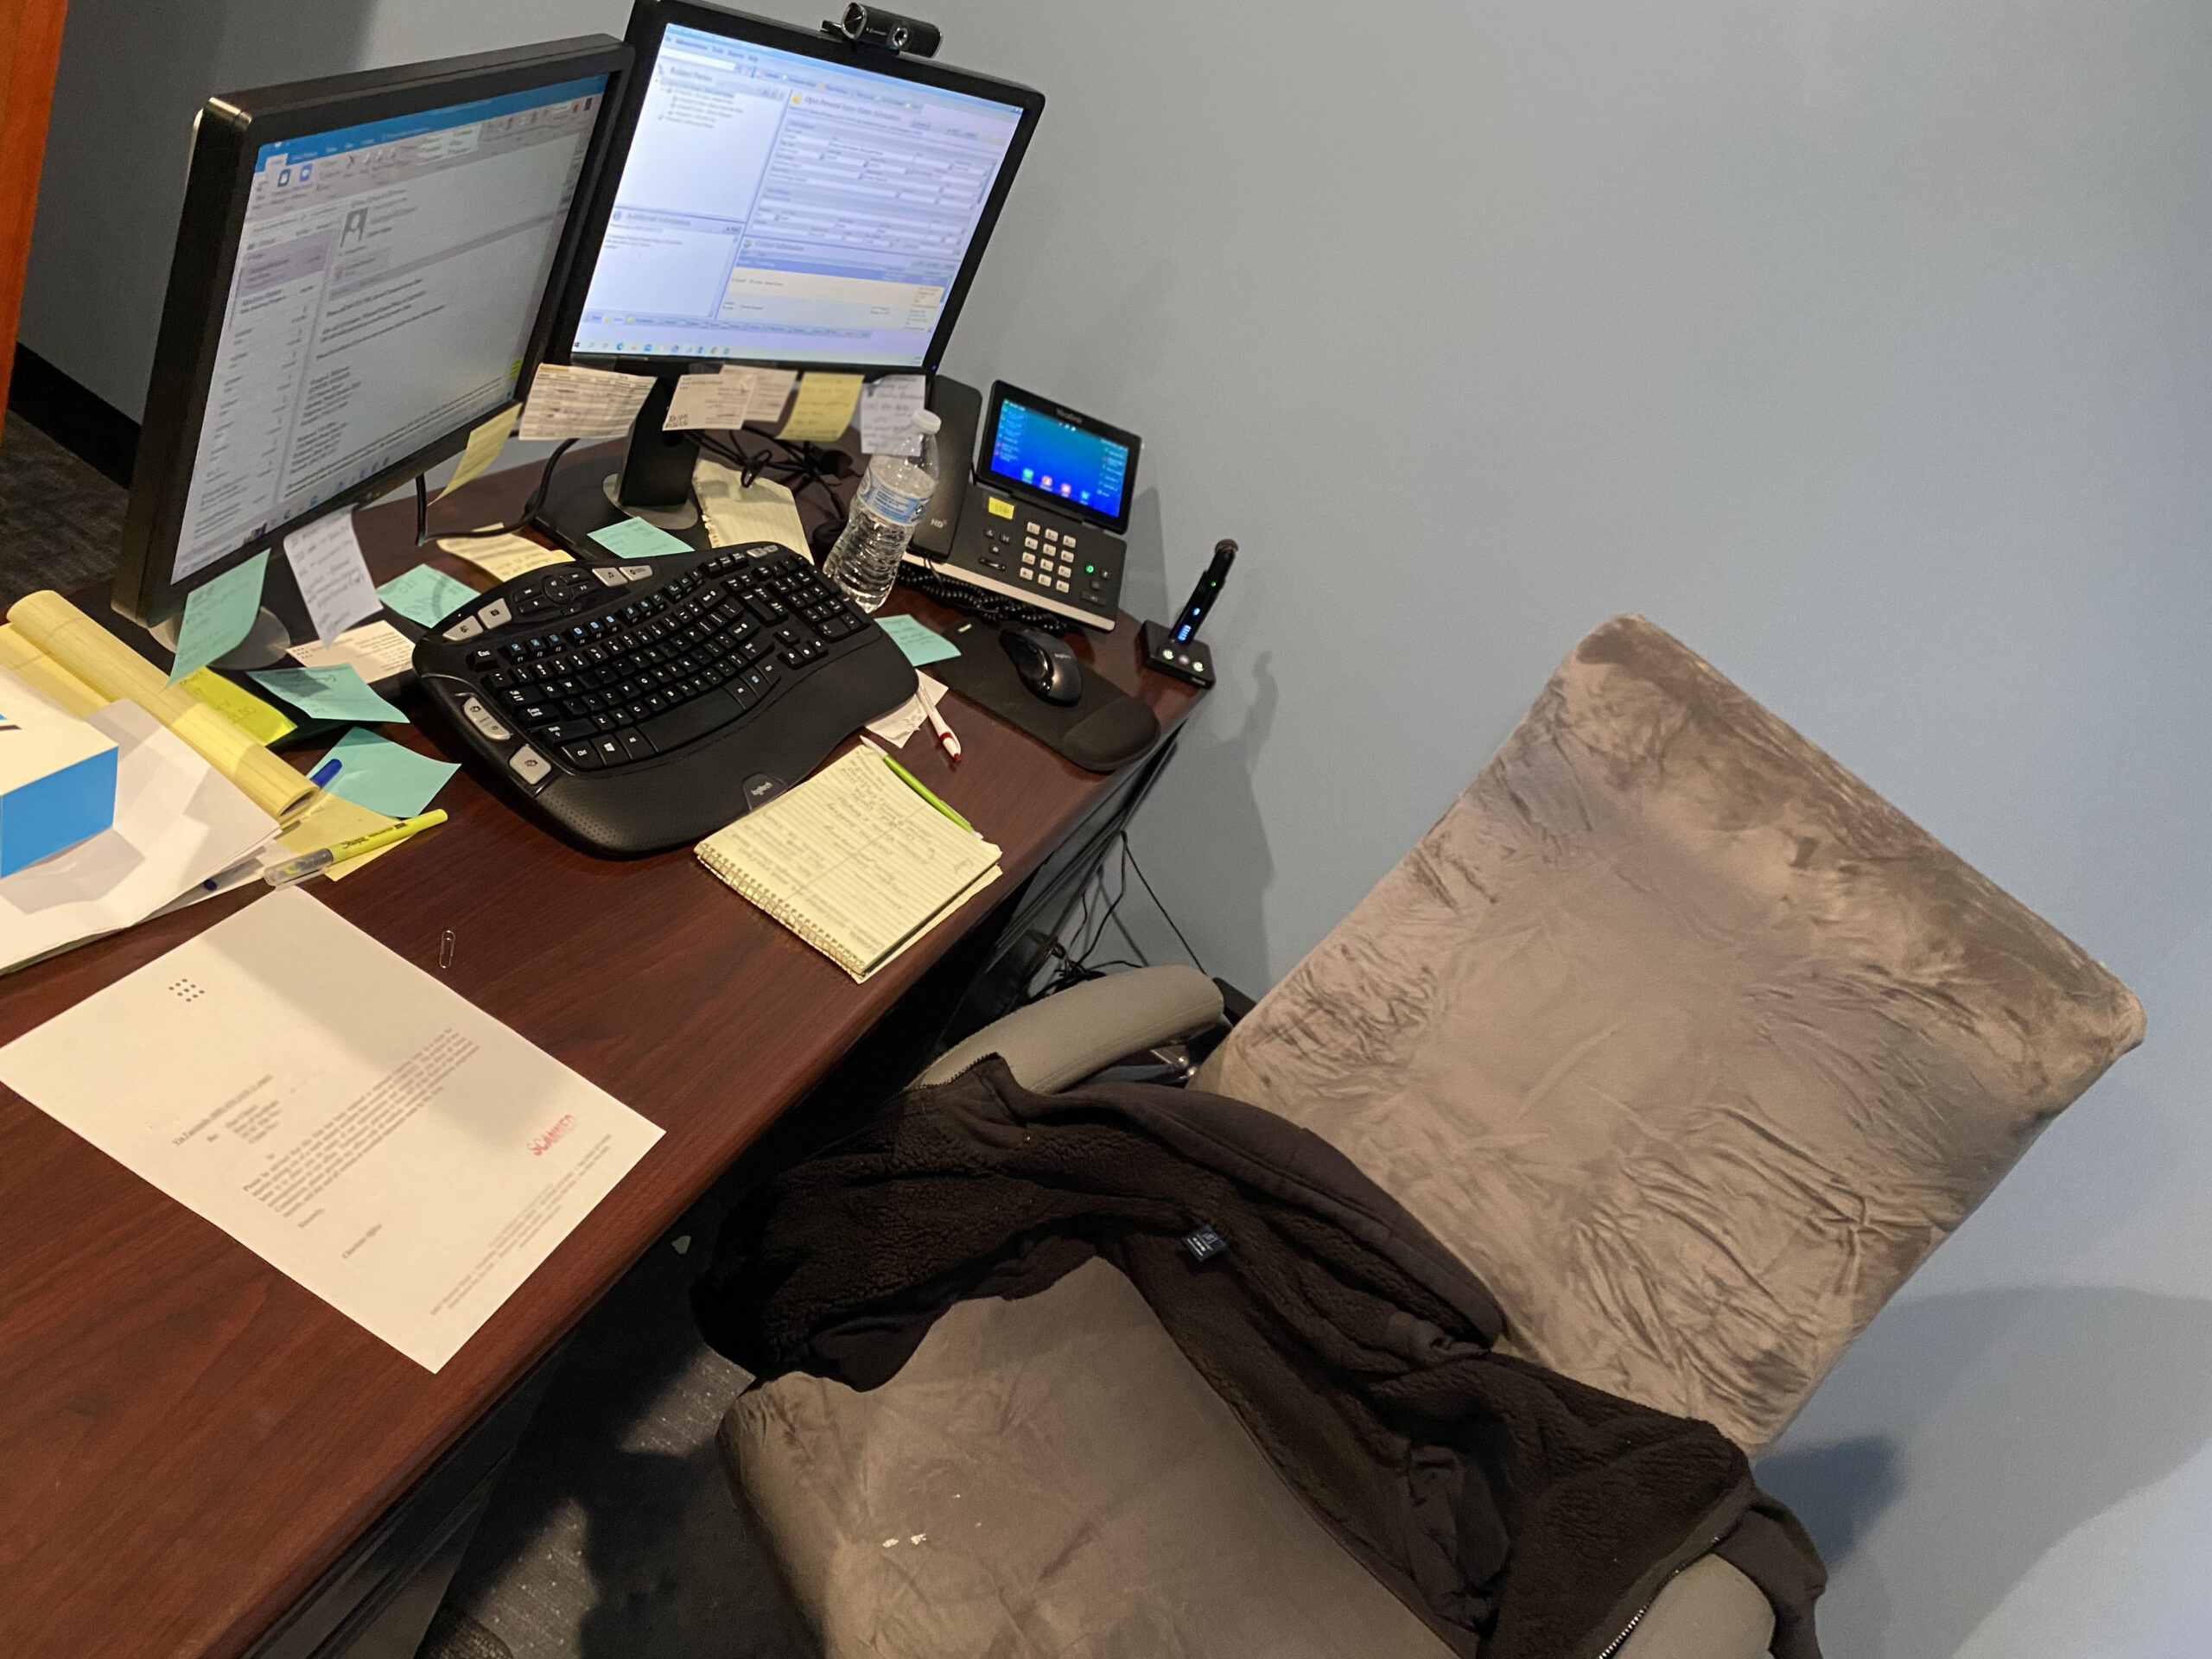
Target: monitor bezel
x=649, y=21
x=228, y=133
x=1002, y=393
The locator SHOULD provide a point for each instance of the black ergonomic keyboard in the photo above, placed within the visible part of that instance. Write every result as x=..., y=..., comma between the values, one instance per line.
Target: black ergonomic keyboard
x=640, y=706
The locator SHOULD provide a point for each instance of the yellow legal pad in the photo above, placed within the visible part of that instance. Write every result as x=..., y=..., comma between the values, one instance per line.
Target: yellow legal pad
x=853, y=862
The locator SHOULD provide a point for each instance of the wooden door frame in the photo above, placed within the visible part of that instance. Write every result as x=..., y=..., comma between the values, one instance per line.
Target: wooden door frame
x=30, y=49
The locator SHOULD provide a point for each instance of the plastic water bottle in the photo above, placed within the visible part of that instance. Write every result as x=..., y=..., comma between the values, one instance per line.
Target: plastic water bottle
x=885, y=508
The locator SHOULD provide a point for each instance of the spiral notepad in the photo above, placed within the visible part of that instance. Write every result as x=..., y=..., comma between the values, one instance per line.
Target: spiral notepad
x=853, y=862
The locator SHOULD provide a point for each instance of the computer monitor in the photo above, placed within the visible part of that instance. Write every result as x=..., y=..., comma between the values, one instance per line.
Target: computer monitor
x=367, y=267
x=791, y=198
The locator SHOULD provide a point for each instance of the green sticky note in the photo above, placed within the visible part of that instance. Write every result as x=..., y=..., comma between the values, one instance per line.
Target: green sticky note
x=426, y=594
x=384, y=776
x=633, y=538
x=217, y=616
x=336, y=693
x=921, y=644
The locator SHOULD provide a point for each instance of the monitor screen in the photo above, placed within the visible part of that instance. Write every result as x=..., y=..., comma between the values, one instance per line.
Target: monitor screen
x=779, y=207
x=1087, y=469
x=388, y=278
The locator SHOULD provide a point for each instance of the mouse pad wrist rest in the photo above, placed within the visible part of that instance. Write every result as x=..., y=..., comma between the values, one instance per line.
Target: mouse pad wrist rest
x=1103, y=729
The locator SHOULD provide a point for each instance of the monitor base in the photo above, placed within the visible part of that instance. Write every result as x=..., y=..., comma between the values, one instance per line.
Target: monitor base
x=575, y=507
x=267, y=643
x=685, y=516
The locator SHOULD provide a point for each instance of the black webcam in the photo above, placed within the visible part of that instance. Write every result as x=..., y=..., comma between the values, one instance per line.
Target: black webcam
x=872, y=26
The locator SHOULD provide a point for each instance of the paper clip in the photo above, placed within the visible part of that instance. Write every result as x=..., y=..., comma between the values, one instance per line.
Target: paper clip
x=445, y=950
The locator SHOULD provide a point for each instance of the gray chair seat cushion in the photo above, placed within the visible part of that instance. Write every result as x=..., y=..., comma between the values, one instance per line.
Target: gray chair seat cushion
x=1048, y=1477
x=1690, y=1045
x=1051, y=1476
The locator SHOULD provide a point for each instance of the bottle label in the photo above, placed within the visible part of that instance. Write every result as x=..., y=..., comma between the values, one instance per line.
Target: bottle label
x=893, y=507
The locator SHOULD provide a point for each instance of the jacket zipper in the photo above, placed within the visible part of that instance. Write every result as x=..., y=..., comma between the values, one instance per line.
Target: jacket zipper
x=1621, y=1641
x=1628, y=1630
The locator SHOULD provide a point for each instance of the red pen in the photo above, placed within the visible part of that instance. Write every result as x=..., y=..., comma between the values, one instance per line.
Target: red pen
x=944, y=732
x=937, y=722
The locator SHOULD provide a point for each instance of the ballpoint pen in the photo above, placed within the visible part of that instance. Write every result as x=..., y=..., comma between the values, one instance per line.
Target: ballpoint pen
x=308, y=864
x=944, y=732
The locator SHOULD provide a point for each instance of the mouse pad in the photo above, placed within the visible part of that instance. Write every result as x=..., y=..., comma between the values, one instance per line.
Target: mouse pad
x=1106, y=728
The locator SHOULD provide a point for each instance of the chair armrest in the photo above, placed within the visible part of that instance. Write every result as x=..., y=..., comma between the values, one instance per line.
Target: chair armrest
x=1707, y=1610
x=1085, y=1028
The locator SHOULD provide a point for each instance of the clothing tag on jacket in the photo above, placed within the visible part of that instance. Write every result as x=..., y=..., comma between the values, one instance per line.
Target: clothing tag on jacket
x=1204, y=1243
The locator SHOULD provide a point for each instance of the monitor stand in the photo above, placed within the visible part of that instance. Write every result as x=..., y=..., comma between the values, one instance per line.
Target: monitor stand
x=265, y=645
x=282, y=623
x=654, y=484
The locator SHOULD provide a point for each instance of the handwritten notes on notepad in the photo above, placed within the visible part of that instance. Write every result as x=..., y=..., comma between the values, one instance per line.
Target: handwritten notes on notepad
x=854, y=862
x=737, y=513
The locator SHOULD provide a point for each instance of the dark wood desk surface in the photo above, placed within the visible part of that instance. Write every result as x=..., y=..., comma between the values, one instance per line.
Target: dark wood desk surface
x=188, y=1438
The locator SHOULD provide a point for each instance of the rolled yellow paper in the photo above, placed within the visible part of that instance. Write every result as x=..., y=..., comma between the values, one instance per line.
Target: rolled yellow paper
x=112, y=670
x=28, y=663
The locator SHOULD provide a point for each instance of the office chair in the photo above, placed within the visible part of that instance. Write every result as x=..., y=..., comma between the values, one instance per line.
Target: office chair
x=1687, y=1042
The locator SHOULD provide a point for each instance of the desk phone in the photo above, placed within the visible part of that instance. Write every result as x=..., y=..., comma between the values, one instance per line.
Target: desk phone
x=1038, y=517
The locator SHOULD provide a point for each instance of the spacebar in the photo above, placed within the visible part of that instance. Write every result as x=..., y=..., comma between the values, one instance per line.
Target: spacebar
x=692, y=720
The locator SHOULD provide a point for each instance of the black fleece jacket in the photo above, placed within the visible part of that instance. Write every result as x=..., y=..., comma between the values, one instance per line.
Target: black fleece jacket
x=1522, y=1514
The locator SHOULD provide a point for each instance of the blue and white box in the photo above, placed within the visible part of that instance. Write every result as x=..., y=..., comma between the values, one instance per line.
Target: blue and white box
x=57, y=778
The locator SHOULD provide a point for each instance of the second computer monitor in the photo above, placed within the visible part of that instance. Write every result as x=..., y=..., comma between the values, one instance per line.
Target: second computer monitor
x=366, y=268
x=791, y=198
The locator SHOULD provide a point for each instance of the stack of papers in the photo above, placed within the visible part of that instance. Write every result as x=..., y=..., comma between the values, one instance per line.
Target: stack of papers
x=179, y=825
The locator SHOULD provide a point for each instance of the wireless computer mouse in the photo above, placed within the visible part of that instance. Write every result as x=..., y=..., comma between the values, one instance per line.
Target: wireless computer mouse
x=1045, y=665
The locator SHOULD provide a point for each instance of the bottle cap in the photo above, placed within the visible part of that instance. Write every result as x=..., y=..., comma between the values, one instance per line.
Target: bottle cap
x=925, y=420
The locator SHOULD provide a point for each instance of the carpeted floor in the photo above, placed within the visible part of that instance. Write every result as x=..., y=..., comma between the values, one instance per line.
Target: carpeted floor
x=614, y=1535
x=61, y=522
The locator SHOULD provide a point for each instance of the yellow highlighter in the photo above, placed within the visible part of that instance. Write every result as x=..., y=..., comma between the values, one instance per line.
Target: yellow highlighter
x=924, y=792
x=308, y=864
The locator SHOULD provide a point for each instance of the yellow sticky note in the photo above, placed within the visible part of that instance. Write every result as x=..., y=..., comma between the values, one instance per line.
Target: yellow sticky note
x=504, y=557
x=256, y=718
x=484, y=444
x=999, y=505
x=823, y=410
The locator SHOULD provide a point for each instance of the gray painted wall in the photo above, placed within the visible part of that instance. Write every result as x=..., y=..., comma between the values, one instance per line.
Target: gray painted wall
x=1866, y=346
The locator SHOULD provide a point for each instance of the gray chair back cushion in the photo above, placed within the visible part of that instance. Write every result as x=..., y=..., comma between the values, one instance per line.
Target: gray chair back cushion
x=1686, y=1040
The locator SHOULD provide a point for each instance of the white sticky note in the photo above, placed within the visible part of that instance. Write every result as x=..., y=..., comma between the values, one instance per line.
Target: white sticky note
x=332, y=576
x=772, y=389
x=571, y=402
x=375, y=652
x=887, y=410
x=718, y=401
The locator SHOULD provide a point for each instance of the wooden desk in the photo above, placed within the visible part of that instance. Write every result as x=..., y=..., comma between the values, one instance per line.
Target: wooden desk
x=188, y=1438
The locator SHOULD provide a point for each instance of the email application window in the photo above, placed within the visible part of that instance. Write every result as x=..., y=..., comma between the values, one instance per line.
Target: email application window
x=774, y=207
x=388, y=278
